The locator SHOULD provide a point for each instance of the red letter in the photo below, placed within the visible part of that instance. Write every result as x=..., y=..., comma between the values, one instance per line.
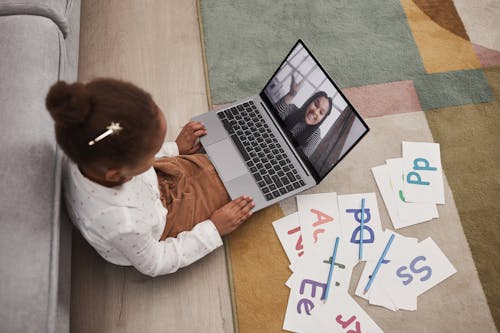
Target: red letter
x=322, y=218
x=316, y=232
x=358, y=328
x=292, y=231
x=299, y=246
x=345, y=323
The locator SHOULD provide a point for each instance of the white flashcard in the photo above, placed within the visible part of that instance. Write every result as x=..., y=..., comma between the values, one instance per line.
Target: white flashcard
x=380, y=297
x=350, y=220
x=342, y=270
x=400, y=246
x=405, y=299
x=323, y=255
x=347, y=316
x=383, y=180
x=414, y=273
x=290, y=236
x=410, y=213
x=376, y=295
x=423, y=173
x=318, y=218
x=309, y=285
x=289, y=282
x=439, y=265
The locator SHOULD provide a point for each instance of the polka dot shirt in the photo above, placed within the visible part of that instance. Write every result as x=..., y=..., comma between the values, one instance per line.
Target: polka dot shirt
x=124, y=223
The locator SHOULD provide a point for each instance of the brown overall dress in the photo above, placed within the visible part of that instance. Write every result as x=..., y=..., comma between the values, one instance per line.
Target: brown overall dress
x=190, y=189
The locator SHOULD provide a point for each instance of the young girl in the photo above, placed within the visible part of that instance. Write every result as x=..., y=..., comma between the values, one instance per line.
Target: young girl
x=156, y=214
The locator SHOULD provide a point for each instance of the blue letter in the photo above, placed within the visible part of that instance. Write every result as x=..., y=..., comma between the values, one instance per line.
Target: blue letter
x=422, y=269
x=357, y=214
x=417, y=181
x=400, y=273
x=357, y=231
x=426, y=165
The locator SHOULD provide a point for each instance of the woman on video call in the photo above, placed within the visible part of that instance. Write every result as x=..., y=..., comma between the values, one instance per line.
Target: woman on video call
x=304, y=122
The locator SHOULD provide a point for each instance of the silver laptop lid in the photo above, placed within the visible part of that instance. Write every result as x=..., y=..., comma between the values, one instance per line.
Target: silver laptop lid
x=314, y=114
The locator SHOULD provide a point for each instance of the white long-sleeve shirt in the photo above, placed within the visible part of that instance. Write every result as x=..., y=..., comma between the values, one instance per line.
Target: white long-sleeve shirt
x=124, y=223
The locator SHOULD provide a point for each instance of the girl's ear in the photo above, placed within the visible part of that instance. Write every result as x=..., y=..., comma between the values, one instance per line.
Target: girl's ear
x=114, y=175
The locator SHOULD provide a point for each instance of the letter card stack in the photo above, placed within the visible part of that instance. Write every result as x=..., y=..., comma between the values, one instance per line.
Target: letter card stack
x=411, y=186
x=308, y=236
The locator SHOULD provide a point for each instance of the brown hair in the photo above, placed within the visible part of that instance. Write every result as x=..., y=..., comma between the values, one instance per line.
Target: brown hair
x=83, y=111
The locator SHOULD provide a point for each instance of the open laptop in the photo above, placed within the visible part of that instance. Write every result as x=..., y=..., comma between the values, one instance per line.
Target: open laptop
x=287, y=138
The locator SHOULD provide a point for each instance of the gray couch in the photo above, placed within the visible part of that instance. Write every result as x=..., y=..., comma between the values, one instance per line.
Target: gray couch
x=38, y=46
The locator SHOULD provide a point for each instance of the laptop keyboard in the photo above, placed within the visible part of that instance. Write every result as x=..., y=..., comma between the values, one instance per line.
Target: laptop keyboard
x=263, y=155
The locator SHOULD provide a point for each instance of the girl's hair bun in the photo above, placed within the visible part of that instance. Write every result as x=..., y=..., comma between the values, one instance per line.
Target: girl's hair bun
x=68, y=104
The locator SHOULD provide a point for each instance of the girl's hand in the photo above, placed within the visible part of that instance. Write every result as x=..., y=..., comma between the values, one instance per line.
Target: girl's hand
x=187, y=140
x=232, y=215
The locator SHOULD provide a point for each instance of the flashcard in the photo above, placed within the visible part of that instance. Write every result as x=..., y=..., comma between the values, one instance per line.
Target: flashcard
x=416, y=272
x=292, y=268
x=363, y=279
x=423, y=174
x=305, y=298
x=342, y=271
x=380, y=297
x=308, y=287
x=289, y=282
x=410, y=213
x=383, y=180
x=400, y=246
x=376, y=295
x=290, y=236
x=439, y=267
x=405, y=299
x=350, y=220
x=318, y=218
x=346, y=316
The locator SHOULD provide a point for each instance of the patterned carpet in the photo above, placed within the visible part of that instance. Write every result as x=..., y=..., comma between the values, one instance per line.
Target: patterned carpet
x=423, y=70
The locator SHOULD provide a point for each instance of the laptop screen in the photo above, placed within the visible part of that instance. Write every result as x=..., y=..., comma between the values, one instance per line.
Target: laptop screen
x=318, y=119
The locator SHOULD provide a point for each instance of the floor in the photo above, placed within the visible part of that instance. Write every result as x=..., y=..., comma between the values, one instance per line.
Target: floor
x=156, y=45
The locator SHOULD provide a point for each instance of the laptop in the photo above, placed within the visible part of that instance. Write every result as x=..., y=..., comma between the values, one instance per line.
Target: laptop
x=286, y=139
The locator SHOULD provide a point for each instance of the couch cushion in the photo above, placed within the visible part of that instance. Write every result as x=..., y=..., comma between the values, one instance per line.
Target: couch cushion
x=56, y=10
x=30, y=49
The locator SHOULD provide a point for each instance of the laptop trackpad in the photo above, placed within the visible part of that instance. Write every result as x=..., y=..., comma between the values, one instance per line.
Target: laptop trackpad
x=227, y=159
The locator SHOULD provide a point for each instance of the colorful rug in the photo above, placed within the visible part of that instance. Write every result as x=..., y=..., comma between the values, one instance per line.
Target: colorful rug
x=422, y=70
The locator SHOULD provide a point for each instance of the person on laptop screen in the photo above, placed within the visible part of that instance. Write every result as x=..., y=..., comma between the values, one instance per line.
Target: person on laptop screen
x=313, y=110
x=304, y=122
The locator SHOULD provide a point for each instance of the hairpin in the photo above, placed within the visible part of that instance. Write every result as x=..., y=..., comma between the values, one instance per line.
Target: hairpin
x=111, y=129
